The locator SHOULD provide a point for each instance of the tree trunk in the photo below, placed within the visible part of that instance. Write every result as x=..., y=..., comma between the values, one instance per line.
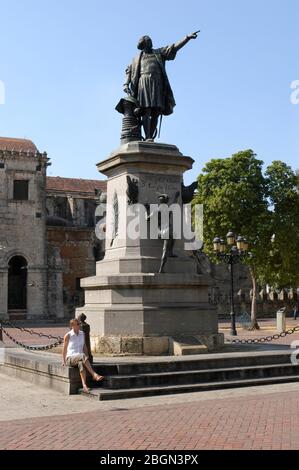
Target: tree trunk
x=254, y=323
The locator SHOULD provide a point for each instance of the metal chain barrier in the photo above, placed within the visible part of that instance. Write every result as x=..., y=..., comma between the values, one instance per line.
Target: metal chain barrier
x=59, y=339
x=31, y=332
x=31, y=348
x=265, y=339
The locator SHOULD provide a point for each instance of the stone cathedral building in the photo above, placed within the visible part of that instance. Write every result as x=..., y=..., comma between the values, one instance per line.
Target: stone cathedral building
x=47, y=237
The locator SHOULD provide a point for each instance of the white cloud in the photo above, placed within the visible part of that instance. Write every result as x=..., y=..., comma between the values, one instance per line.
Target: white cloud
x=295, y=93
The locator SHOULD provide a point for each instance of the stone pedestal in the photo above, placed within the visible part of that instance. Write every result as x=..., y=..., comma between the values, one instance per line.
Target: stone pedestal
x=131, y=308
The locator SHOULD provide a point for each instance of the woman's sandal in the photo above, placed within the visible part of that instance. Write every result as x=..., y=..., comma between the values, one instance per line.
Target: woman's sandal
x=86, y=389
x=98, y=378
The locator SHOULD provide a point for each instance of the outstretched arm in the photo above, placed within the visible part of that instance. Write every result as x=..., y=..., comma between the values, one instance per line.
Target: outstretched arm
x=184, y=41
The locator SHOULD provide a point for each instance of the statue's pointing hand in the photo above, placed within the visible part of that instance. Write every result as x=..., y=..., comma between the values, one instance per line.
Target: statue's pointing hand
x=193, y=35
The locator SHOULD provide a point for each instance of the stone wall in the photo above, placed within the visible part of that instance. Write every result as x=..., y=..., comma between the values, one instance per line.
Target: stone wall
x=77, y=211
x=75, y=250
x=268, y=301
x=55, y=282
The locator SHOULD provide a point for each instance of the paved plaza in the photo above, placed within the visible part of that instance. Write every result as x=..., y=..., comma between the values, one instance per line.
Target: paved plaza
x=264, y=417
x=252, y=418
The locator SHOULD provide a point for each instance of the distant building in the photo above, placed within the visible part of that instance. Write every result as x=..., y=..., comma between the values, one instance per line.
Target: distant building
x=47, y=238
x=72, y=246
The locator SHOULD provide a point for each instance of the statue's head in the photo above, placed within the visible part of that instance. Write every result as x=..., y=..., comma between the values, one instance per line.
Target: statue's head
x=145, y=43
x=82, y=318
x=163, y=198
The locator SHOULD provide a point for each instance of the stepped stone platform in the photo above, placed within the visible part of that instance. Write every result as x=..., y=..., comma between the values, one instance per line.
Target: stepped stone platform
x=130, y=377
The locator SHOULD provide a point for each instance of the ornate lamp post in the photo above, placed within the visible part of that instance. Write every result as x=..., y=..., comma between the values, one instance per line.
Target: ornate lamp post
x=231, y=252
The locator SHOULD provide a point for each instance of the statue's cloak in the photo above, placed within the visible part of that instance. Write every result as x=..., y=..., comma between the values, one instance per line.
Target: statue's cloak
x=133, y=71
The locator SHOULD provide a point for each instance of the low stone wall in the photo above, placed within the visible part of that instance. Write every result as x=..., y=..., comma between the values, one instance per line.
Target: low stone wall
x=42, y=370
x=267, y=303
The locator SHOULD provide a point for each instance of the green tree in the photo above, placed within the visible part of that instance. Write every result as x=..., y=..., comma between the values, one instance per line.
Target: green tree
x=282, y=267
x=234, y=194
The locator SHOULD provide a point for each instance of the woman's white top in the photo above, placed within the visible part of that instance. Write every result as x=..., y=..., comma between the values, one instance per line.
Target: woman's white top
x=76, y=343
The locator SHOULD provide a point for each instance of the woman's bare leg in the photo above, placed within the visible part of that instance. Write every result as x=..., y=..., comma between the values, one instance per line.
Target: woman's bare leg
x=90, y=369
x=83, y=378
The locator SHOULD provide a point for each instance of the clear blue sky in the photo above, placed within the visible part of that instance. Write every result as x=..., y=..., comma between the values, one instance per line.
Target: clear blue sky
x=63, y=61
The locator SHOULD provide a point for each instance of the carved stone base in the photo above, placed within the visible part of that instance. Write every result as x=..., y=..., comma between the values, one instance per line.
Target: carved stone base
x=154, y=345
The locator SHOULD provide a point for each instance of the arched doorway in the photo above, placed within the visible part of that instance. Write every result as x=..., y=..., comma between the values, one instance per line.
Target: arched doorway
x=17, y=283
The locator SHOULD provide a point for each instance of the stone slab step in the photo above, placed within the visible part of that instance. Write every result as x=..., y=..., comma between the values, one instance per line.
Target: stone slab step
x=189, y=350
x=45, y=369
x=172, y=364
x=106, y=394
x=200, y=376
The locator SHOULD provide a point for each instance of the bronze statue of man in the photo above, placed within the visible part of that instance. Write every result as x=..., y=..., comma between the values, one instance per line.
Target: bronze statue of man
x=147, y=81
x=165, y=226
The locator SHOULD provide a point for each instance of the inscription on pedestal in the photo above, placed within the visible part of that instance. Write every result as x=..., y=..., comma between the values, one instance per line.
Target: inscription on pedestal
x=161, y=184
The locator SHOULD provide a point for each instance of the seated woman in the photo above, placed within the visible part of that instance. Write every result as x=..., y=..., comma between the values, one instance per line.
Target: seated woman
x=75, y=353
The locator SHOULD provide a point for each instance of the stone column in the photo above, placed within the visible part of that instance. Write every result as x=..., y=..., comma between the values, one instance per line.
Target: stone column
x=3, y=293
x=55, y=283
x=36, y=292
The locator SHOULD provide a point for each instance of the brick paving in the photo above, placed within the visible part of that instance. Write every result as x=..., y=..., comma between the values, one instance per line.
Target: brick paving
x=267, y=421
x=33, y=339
x=267, y=328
